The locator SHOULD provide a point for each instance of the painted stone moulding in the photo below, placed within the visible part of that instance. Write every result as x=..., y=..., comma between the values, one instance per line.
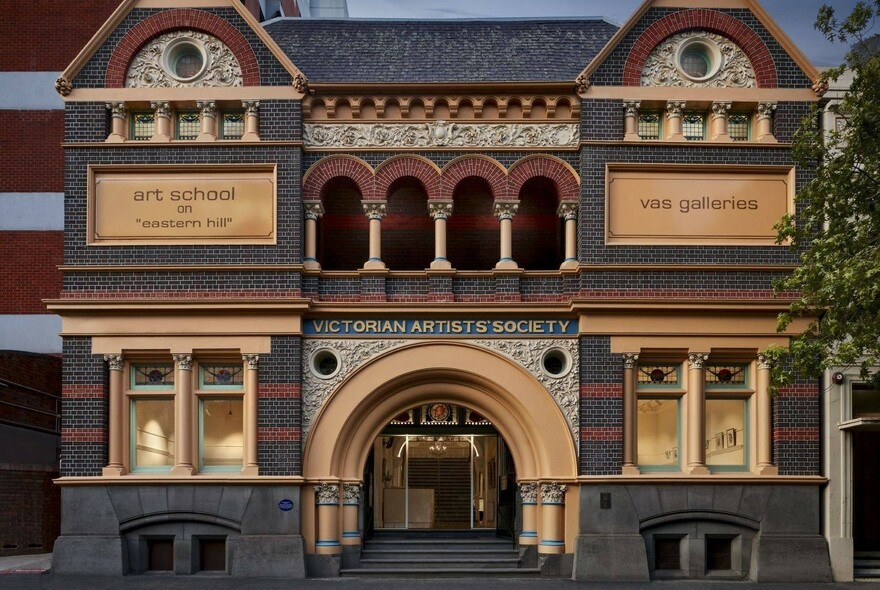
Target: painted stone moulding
x=184, y=59
x=698, y=59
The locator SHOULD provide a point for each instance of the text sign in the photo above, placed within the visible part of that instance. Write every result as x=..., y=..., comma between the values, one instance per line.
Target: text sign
x=178, y=205
x=681, y=204
x=424, y=327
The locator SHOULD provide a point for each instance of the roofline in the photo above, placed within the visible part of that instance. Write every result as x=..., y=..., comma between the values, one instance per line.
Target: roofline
x=447, y=20
x=561, y=86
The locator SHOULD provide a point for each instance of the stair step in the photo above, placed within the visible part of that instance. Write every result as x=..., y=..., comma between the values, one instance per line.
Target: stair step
x=397, y=564
x=433, y=572
x=438, y=553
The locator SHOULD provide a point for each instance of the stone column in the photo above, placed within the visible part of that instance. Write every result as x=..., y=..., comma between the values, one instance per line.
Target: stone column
x=674, y=127
x=720, y=110
x=251, y=413
x=630, y=416
x=552, y=518
x=119, y=118
x=631, y=120
x=313, y=212
x=504, y=211
x=696, y=414
x=529, y=493
x=440, y=212
x=162, y=130
x=765, y=122
x=251, y=120
x=116, y=427
x=183, y=414
x=327, y=501
x=351, y=501
x=375, y=211
x=568, y=211
x=764, y=418
x=208, y=119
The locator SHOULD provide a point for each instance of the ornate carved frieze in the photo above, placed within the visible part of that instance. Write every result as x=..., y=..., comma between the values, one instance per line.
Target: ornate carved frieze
x=327, y=493
x=676, y=62
x=184, y=59
x=440, y=134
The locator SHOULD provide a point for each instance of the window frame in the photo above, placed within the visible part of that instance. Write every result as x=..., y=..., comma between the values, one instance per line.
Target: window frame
x=662, y=391
x=133, y=393
x=177, y=120
x=202, y=393
x=656, y=112
x=221, y=132
x=132, y=124
x=705, y=119
x=736, y=391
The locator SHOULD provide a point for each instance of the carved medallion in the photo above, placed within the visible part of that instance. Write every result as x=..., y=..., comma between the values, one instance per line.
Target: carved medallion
x=698, y=59
x=184, y=59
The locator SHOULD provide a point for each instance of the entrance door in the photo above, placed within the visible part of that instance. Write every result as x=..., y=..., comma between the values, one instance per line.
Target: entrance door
x=866, y=490
x=505, y=521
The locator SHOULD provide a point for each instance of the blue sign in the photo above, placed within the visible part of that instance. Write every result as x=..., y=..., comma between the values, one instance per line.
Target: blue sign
x=285, y=505
x=510, y=327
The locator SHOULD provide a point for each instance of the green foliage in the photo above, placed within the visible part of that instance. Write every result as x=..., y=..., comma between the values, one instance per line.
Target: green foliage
x=838, y=224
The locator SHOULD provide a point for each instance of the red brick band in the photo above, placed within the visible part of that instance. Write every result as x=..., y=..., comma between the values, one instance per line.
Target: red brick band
x=798, y=391
x=602, y=390
x=613, y=433
x=83, y=435
x=398, y=167
x=201, y=294
x=84, y=391
x=279, y=434
x=708, y=20
x=279, y=390
x=181, y=18
x=796, y=434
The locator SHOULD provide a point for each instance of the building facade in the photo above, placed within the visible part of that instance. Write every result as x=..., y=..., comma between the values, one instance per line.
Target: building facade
x=317, y=274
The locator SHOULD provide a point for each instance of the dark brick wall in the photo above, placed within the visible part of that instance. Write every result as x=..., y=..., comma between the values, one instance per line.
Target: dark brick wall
x=472, y=231
x=796, y=418
x=280, y=408
x=84, y=393
x=280, y=120
x=343, y=230
x=157, y=284
x=601, y=120
x=30, y=510
x=86, y=121
x=538, y=233
x=601, y=377
x=408, y=230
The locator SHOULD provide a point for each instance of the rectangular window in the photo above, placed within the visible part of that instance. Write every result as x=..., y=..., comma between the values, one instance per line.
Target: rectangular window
x=658, y=434
x=160, y=555
x=865, y=401
x=232, y=125
x=222, y=376
x=726, y=376
x=659, y=376
x=739, y=126
x=143, y=125
x=718, y=553
x=667, y=553
x=221, y=434
x=727, y=442
x=189, y=124
x=152, y=427
x=212, y=555
x=694, y=126
x=649, y=125
x=154, y=376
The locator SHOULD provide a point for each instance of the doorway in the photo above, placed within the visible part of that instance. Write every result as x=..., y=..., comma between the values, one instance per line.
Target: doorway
x=866, y=490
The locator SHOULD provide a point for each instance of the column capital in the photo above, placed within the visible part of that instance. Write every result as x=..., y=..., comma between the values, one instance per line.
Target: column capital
x=313, y=210
x=765, y=110
x=529, y=492
x=439, y=209
x=208, y=108
x=631, y=107
x=252, y=361
x=567, y=210
x=250, y=106
x=184, y=361
x=721, y=108
x=674, y=108
x=327, y=493
x=553, y=493
x=162, y=108
x=116, y=362
x=351, y=493
x=696, y=360
x=506, y=209
x=764, y=362
x=630, y=359
x=117, y=109
x=375, y=209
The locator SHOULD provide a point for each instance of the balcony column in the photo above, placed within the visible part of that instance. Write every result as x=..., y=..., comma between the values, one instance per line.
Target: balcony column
x=529, y=493
x=504, y=211
x=720, y=111
x=440, y=212
x=116, y=426
x=375, y=211
x=119, y=118
x=183, y=414
x=313, y=212
x=674, y=129
x=552, y=518
x=327, y=501
x=568, y=211
x=765, y=122
x=697, y=414
x=251, y=120
x=162, y=130
x=631, y=120
x=208, y=109
x=351, y=502
x=630, y=416
x=251, y=413
x=764, y=418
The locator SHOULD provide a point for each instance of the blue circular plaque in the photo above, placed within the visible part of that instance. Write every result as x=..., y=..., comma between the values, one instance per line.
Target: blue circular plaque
x=285, y=505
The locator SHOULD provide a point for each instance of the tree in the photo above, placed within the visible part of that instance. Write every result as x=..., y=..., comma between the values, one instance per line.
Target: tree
x=837, y=229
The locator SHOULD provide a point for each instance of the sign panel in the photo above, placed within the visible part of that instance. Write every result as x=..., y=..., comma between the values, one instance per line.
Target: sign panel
x=676, y=204
x=480, y=327
x=182, y=204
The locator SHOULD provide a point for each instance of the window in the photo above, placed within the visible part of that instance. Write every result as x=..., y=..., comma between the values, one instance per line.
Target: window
x=694, y=126
x=189, y=125
x=232, y=125
x=143, y=125
x=152, y=416
x=221, y=416
x=727, y=416
x=739, y=126
x=659, y=417
x=865, y=401
x=649, y=125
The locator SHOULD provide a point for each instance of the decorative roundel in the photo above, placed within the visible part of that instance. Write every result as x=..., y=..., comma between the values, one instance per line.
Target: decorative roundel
x=699, y=59
x=439, y=412
x=184, y=59
x=556, y=362
x=325, y=363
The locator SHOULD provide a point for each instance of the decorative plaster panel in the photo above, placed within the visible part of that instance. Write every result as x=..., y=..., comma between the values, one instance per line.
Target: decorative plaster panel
x=440, y=134
x=149, y=68
x=662, y=68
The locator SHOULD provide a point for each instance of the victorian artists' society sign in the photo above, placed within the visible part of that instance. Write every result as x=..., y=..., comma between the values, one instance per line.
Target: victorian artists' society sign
x=182, y=205
x=680, y=204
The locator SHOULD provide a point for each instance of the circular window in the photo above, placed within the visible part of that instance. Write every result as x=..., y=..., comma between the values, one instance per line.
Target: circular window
x=184, y=60
x=325, y=363
x=556, y=362
x=698, y=59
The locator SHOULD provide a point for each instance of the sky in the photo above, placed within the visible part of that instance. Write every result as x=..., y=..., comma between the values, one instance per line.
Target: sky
x=796, y=17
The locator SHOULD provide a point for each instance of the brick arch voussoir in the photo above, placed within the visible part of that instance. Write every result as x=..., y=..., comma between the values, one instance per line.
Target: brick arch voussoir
x=709, y=20
x=489, y=169
x=176, y=19
x=402, y=166
x=566, y=182
x=326, y=169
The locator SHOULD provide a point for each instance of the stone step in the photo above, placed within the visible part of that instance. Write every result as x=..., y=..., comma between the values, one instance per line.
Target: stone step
x=408, y=564
x=434, y=572
x=436, y=545
x=440, y=554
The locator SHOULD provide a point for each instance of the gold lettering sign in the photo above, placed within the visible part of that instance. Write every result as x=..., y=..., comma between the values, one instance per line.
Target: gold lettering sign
x=689, y=205
x=182, y=204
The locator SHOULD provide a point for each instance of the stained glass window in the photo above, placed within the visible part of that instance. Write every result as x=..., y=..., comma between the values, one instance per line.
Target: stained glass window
x=728, y=375
x=189, y=125
x=649, y=125
x=224, y=376
x=232, y=125
x=659, y=375
x=738, y=126
x=694, y=126
x=143, y=125
x=152, y=376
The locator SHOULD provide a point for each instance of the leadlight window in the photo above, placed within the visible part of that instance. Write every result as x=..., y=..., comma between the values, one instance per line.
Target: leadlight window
x=739, y=126
x=726, y=376
x=188, y=125
x=232, y=125
x=694, y=126
x=222, y=376
x=152, y=376
x=143, y=125
x=659, y=375
x=649, y=125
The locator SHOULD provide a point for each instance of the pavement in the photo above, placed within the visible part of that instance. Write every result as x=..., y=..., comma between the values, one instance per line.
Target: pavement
x=33, y=572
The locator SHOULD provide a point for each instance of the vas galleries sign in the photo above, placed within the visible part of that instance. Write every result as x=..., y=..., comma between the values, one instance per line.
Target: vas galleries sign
x=677, y=204
x=182, y=204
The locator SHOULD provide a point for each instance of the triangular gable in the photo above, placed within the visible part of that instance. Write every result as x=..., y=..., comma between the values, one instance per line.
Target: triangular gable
x=64, y=84
x=757, y=10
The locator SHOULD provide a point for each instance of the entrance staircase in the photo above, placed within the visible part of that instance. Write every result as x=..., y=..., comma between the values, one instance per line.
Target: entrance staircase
x=439, y=553
x=866, y=565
